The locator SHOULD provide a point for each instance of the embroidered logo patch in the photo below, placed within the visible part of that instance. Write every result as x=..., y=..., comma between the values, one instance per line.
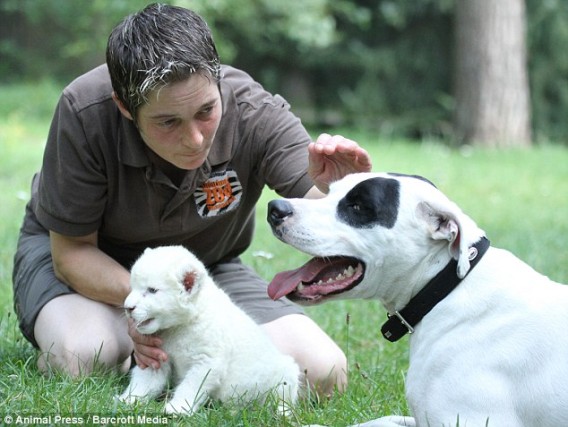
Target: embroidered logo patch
x=221, y=193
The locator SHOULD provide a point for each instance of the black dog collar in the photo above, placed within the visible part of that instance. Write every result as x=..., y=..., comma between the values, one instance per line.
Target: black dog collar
x=402, y=322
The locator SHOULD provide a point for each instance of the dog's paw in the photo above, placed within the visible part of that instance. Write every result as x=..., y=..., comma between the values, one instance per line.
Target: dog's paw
x=390, y=421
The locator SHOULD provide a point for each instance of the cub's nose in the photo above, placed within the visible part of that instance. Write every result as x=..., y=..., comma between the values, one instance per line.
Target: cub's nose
x=278, y=211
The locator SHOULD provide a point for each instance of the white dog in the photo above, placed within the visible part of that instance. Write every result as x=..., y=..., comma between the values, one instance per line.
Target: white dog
x=489, y=344
x=214, y=349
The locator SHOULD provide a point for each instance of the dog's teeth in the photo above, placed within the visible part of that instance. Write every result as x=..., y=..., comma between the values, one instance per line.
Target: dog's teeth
x=348, y=272
x=300, y=286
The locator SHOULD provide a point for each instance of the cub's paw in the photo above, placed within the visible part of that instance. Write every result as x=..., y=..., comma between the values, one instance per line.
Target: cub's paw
x=127, y=398
x=178, y=407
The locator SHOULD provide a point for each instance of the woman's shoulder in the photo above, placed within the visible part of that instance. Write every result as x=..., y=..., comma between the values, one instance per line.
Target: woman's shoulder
x=92, y=88
x=245, y=89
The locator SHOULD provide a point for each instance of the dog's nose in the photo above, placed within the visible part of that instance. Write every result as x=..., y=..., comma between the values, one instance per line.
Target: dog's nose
x=278, y=211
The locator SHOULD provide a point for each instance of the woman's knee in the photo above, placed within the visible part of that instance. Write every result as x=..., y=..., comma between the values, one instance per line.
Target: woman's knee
x=75, y=335
x=325, y=369
x=80, y=356
x=321, y=360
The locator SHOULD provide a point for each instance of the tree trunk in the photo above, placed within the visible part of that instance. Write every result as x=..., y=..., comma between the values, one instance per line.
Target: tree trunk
x=491, y=82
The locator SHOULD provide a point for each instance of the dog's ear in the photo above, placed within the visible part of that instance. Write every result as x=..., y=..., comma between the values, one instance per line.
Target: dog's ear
x=446, y=223
x=189, y=279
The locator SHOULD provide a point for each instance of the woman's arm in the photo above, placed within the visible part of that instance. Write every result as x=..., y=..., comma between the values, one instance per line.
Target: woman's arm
x=79, y=263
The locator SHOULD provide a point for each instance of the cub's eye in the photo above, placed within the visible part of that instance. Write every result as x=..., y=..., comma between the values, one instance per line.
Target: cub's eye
x=151, y=290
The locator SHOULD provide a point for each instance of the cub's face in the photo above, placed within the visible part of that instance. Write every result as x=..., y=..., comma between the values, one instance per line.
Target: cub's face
x=164, y=282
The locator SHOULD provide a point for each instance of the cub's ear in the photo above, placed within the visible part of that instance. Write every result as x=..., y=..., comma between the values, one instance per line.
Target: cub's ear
x=189, y=279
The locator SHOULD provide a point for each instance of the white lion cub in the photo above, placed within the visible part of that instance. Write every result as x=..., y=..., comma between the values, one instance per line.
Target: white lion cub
x=214, y=349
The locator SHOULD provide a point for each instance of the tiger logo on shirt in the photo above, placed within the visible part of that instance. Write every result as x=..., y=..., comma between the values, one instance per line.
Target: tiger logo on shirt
x=221, y=193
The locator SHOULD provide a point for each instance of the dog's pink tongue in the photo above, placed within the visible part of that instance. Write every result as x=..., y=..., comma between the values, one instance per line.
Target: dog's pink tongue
x=287, y=281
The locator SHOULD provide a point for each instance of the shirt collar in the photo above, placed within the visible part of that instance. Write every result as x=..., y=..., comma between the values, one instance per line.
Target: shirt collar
x=131, y=148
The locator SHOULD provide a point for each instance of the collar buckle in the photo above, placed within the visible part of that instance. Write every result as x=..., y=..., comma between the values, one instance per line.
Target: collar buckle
x=402, y=320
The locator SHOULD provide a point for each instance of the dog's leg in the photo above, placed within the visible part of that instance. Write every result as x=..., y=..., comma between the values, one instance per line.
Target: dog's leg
x=145, y=383
x=193, y=391
x=390, y=421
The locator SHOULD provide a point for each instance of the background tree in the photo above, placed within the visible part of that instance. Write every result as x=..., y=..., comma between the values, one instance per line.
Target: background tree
x=491, y=82
x=383, y=65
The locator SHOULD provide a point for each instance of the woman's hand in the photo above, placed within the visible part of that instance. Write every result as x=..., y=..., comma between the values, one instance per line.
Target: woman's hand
x=333, y=157
x=147, y=351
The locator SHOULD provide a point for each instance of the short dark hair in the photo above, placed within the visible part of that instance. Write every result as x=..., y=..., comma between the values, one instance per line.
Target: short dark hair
x=159, y=45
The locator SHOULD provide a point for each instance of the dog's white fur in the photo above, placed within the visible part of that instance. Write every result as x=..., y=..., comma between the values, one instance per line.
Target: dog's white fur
x=494, y=352
x=214, y=349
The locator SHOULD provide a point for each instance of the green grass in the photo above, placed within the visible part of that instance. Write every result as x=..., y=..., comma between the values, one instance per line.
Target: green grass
x=517, y=196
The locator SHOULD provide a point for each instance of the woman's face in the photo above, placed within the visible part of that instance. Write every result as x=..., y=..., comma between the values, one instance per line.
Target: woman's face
x=180, y=120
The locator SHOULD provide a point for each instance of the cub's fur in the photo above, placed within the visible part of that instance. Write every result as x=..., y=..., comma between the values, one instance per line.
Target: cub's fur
x=214, y=349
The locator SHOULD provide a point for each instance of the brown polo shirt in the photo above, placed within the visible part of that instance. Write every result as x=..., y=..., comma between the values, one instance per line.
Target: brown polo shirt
x=96, y=175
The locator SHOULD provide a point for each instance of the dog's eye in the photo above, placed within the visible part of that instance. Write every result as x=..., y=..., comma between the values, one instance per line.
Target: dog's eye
x=152, y=290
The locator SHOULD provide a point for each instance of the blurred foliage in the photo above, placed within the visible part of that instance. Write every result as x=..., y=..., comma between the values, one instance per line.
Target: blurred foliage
x=548, y=67
x=384, y=65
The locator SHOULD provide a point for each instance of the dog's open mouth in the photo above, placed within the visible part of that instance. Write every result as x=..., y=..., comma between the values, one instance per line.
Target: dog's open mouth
x=318, y=278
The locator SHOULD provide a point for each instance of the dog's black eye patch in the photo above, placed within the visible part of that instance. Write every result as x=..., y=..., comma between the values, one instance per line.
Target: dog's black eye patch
x=421, y=178
x=371, y=202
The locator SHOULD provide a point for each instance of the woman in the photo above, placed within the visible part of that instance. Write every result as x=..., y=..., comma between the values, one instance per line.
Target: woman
x=163, y=145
